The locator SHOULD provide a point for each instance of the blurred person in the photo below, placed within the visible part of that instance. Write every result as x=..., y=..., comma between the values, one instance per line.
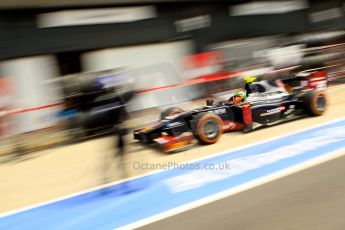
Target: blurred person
x=119, y=115
x=100, y=107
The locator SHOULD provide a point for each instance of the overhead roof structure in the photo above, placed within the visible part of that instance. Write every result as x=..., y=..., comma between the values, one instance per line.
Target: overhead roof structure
x=22, y=4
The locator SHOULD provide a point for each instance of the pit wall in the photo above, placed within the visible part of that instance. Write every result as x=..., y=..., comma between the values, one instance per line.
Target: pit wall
x=31, y=86
x=150, y=66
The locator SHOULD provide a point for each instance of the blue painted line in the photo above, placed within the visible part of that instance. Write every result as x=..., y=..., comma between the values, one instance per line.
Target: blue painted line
x=134, y=200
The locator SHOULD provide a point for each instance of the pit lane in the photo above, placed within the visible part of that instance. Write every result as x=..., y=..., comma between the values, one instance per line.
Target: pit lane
x=311, y=199
x=64, y=170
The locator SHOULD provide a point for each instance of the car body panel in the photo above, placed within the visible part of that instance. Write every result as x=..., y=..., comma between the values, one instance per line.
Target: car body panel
x=258, y=110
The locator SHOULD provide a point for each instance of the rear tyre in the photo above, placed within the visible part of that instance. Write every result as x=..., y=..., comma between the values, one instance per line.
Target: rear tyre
x=171, y=111
x=315, y=102
x=207, y=128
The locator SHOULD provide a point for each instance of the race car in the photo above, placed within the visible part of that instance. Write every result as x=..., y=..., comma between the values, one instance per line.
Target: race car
x=267, y=103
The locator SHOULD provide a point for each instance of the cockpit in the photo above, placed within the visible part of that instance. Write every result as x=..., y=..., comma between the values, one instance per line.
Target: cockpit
x=265, y=86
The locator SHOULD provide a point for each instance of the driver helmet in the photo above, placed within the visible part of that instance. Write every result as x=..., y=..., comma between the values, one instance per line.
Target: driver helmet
x=239, y=96
x=240, y=93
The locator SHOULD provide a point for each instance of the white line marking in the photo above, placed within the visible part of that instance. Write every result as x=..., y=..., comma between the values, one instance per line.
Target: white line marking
x=158, y=171
x=252, y=184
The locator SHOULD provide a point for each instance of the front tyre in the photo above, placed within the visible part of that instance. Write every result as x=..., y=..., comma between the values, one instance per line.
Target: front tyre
x=207, y=128
x=315, y=102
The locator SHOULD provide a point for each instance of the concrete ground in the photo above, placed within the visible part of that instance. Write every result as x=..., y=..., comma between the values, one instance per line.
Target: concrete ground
x=52, y=173
x=310, y=199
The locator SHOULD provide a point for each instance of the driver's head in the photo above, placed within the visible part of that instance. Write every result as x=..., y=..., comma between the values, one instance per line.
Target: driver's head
x=239, y=97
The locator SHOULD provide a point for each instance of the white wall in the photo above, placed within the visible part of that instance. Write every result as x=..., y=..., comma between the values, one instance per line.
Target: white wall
x=151, y=65
x=31, y=89
x=285, y=56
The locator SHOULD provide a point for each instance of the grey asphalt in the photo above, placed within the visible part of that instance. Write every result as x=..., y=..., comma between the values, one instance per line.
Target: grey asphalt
x=311, y=199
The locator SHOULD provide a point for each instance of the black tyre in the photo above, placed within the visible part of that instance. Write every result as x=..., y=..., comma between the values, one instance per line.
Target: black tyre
x=207, y=128
x=315, y=102
x=171, y=111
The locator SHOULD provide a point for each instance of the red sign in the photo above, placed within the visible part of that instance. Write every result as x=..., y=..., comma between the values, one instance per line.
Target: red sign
x=205, y=64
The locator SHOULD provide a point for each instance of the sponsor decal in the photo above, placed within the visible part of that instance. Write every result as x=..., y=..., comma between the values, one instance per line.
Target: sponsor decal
x=219, y=111
x=95, y=16
x=178, y=145
x=161, y=140
x=267, y=7
x=273, y=111
x=304, y=83
x=290, y=110
x=174, y=124
x=319, y=84
x=193, y=23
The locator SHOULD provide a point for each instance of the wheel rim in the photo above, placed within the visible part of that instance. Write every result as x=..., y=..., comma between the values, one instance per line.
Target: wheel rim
x=211, y=129
x=320, y=103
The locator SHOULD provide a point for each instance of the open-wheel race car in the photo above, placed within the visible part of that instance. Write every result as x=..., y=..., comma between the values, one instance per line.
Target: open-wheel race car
x=261, y=103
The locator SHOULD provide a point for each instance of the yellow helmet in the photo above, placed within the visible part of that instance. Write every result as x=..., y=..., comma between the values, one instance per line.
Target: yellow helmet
x=249, y=79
